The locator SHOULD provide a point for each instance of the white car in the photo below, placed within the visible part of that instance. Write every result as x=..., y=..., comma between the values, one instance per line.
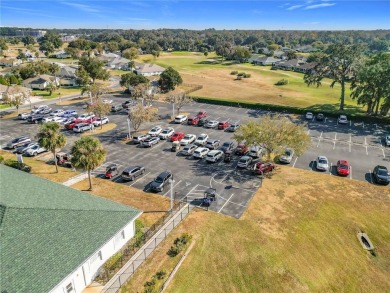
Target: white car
x=140, y=138
x=155, y=131
x=214, y=155
x=201, y=139
x=309, y=116
x=47, y=119
x=342, y=119
x=35, y=150
x=181, y=119
x=200, y=152
x=244, y=162
x=24, y=116
x=187, y=139
x=81, y=127
x=58, y=112
x=166, y=133
x=189, y=149
x=287, y=156
x=102, y=121
x=40, y=108
x=255, y=152
x=107, y=101
x=149, y=142
x=212, y=124
x=387, y=140
x=322, y=163
x=57, y=119
x=86, y=116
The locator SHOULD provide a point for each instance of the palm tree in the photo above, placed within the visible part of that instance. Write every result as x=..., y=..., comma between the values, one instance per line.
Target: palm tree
x=88, y=153
x=51, y=87
x=49, y=137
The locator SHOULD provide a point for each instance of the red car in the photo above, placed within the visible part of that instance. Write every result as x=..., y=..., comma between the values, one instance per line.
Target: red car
x=193, y=120
x=262, y=167
x=342, y=168
x=71, y=125
x=201, y=114
x=177, y=136
x=223, y=125
x=241, y=149
x=90, y=120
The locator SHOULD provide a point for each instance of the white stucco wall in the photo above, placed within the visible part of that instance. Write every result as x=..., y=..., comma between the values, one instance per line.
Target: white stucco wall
x=82, y=276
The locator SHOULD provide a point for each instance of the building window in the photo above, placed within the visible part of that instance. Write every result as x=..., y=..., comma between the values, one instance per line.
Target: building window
x=69, y=288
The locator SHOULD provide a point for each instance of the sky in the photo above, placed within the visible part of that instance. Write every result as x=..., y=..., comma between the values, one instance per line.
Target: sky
x=202, y=14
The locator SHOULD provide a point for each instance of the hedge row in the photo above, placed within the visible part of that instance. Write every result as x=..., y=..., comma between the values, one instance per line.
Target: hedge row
x=288, y=109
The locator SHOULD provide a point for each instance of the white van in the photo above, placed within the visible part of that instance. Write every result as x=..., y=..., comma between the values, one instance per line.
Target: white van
x=81, y=127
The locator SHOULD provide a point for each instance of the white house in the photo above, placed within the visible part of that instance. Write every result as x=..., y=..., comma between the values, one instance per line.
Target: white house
x=62, y=55
x=10, y=62
x=147, y=69
x=55, y=238
x=67, y=75
x=40, y=82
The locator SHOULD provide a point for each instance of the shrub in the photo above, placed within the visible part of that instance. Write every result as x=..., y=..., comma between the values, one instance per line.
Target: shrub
x=1, y=159
x=247, y=75
x=139, y=234
x=234, y=72
x=241, y=74
x=112, y=261
x=179, y=244
x=16, y=165
x=150, y=286
x=282, y=82
x=161, y=275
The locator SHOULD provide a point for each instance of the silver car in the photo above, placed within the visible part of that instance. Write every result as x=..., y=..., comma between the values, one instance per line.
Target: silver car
x=287, y=156
x=322, y=163
x=189, y=149
x=244, y=162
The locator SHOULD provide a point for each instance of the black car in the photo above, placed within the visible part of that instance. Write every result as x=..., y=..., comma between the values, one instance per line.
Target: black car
x=320, y=117
x=202, y=121
x=227, y=146
x=128, y=104
x=18, y=141
x=35, y=119
x=22, y=149
x=381, y=175
x=161, y=181
x=130, y=173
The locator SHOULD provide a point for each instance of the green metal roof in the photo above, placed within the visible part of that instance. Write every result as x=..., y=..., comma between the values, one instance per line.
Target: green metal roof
x=47, y=230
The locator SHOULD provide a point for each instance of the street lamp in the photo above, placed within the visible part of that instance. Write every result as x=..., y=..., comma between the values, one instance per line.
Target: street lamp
x=128, y=125
x=173, y=111
x=171, y=181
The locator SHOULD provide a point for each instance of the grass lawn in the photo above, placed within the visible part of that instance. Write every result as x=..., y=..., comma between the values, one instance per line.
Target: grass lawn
x=58, y=93
x=153, y=204
x=217, y=82
x=118, y=72
x=299, y=234
x=42, y=169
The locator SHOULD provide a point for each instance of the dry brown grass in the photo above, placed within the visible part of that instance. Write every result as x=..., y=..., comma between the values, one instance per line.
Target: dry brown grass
x=297, y=235
x=152, y=204
x=97, y=130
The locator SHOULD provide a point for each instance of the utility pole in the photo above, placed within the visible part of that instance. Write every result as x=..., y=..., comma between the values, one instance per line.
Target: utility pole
x=128, y=125
x=173, y=111
x=171, y=181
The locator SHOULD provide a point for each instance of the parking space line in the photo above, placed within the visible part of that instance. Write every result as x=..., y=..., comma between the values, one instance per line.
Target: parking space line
x=237, y=109
x=172, y=188
x=139, y=179
x=190, y=191
x=383, y=153
x=350, y=172
x=295, y=162
x=372, y=181
x=225, y=203
x=366, y=150
x=330, y=169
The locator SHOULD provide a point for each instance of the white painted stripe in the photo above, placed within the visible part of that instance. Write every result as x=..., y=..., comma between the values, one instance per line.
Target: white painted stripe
x=192, y=189
x=172, y=188
x=225, y=203
x=350, y=172
x=296, y=159
x=139, y=179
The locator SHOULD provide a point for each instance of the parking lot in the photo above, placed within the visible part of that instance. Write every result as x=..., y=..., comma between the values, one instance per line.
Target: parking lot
x=357, y=143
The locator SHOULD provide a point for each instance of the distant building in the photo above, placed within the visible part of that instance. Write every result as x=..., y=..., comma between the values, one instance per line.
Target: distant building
x=67, y=75
x=40, y=82
x=55, y=238
x=62, y=55
x=147, y=69
x=263, y=60
x=10, y=62
x=33, y=33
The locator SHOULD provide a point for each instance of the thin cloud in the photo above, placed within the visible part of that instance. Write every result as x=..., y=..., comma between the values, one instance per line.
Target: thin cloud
x=30, y=11
x=315, y=6
x=140, y=4
x=257, y=12
x=294, y=7
x=82, y=7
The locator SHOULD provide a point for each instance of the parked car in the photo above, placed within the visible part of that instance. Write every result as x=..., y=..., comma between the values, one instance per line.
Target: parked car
x=81, y=127
x=47, y=119
x=57, y=112
x=42, y=109
x=201, y=139
x=241, y=149
x=36, y=149
x=116, y=108
x=188, y=150
x=35, y=119
x=212, y=124
x=342, y=119
x=287, y=156
x=111, y=171
x=223, y=125
x=233, y=127
x=200, y=152
x=57, y=119
x=45, y=111
x=130, y=173
x=387, y=140
x=203, y=121
x=166, y=133
x=227, y=146
x=18, y=141
x=72, y=124
x=155, y=131
x=212, y=144
x=320, y=117
x=309, y=116
x=69, y=113
x=151, y=141
x=161, y=181
x=140, y=138
x=193, y=120
x=255, y=152
x=322, y=163
x=244, y=162
x=67, y=120
x=180, y=119
x=128, y=104
x=214, y=156
x=90, y=120
x=177, y=136
x=24, y=147
x=107, y=101
x=342, y=168
x=24, y=116
x=381, y=175
x=187, y=139
x=101, y=121
x=86, y=116
x=201, y=114
x=262, y=167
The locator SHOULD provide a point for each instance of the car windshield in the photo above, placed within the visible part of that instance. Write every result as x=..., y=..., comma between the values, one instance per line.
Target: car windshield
x=382, y=172
x=187, y=137
x=322, y=161
x=243, y=160
x=226, y=144
x=344, y=167
x=288, y=153
x=159, y=179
